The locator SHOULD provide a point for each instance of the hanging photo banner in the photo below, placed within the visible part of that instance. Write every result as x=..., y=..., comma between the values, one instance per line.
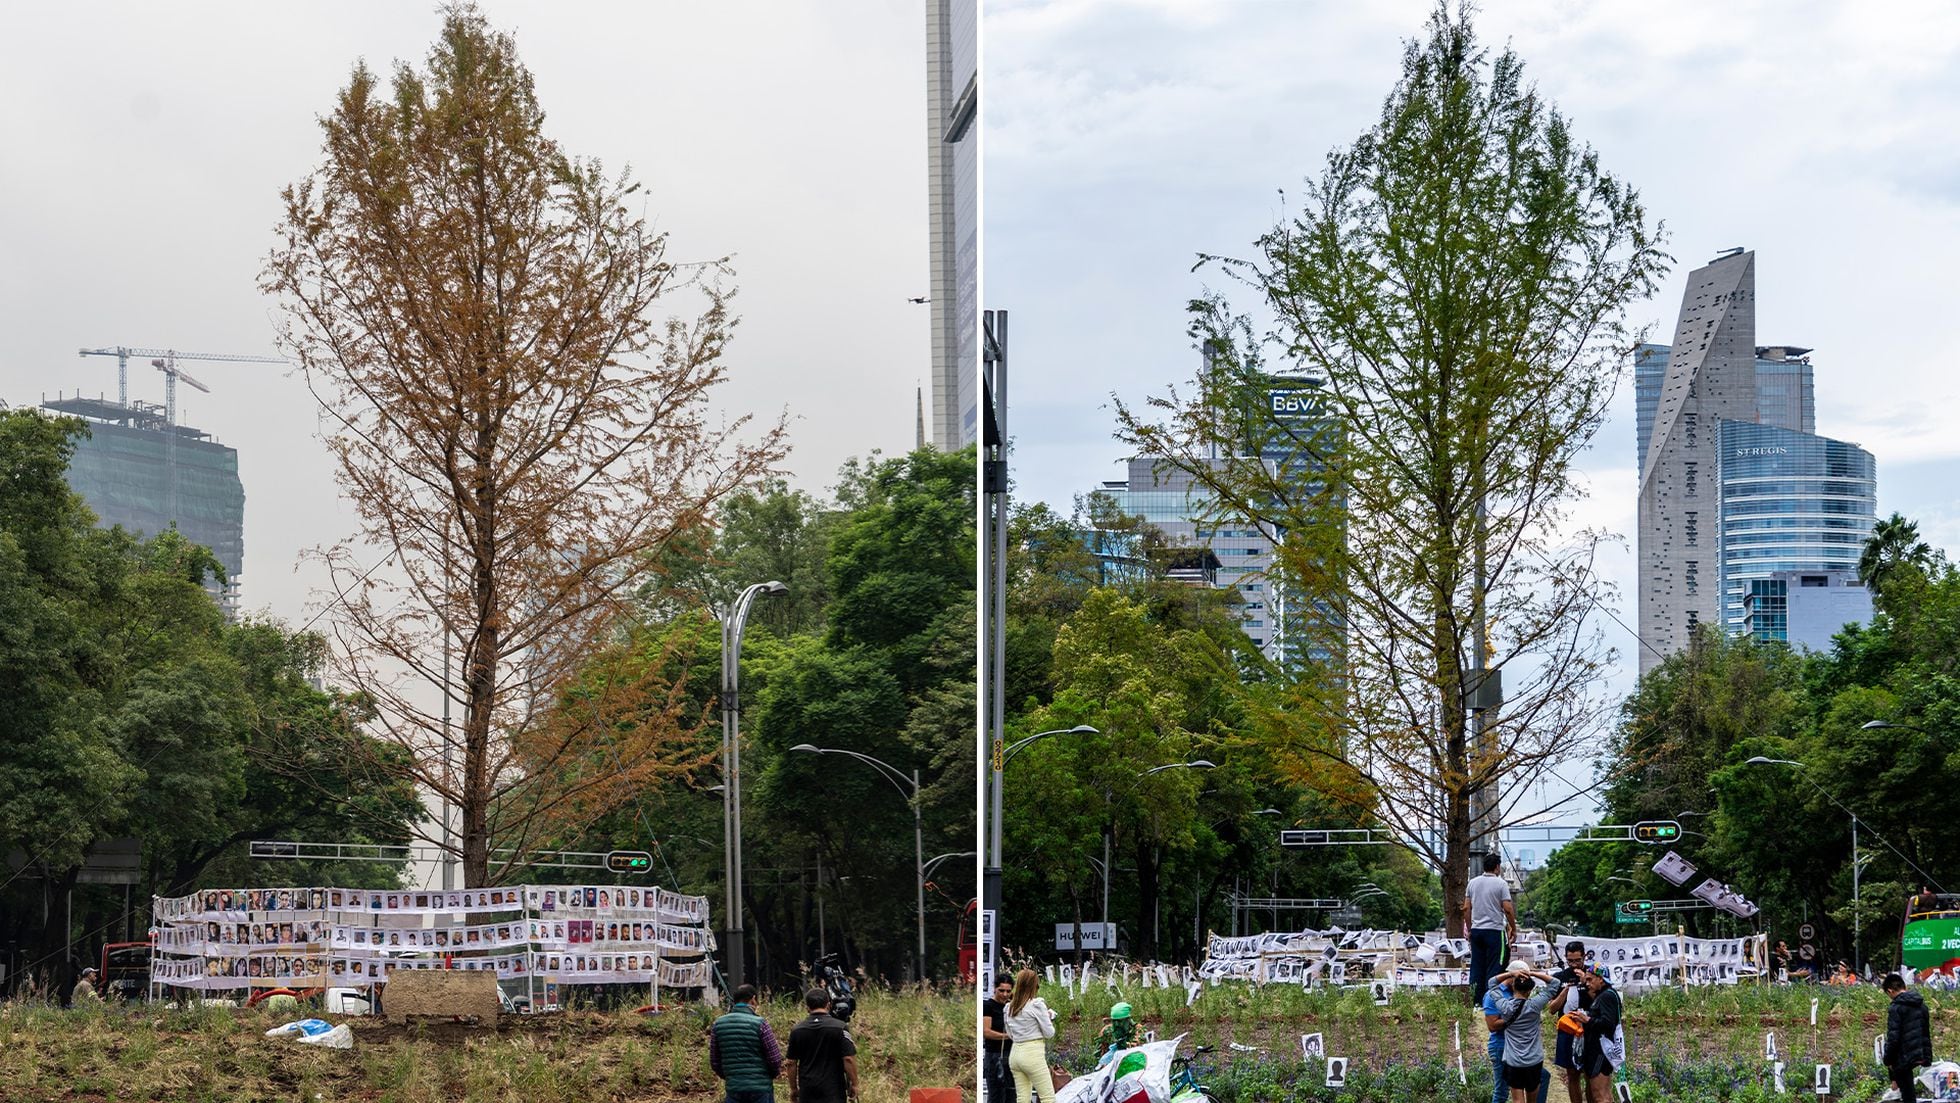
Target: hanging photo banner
x=1675, y=868
x=691, y=974
x=1433, y=961
x=675, y=908
x=237, y=939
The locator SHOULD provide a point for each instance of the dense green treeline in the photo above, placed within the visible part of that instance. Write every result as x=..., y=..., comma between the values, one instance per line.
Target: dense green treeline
x=132, y=711
x=1163, y=672
x=1874, y=724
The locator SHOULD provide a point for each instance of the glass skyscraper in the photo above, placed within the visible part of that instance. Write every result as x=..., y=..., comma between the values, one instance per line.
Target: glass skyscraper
x=1735, y=485
x=1785, y=394
x=136, y=470
x=1789, y=501
x=1285, y=424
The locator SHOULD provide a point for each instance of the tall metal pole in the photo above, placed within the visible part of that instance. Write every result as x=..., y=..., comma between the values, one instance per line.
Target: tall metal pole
x=919, y=859
x=994, y=652
x=730, y=841
x=1857, y=916
x=731, y=758
x=1105, y=907
x=448, y=737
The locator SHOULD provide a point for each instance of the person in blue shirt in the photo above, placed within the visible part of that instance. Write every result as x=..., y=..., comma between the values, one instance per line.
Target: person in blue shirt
x=1494, y=1009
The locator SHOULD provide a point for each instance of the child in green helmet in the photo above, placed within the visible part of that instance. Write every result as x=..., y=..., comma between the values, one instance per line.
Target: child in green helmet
x=1119, y=1032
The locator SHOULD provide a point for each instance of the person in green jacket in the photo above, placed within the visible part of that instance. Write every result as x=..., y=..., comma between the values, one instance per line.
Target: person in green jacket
x=743, y=1051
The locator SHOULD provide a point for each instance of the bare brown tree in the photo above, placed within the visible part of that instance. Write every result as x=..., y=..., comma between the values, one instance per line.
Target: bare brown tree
x=474, y=310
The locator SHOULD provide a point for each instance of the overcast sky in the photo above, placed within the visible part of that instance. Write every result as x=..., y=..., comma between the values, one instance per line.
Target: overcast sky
x=1125, y=138
x=146, y=144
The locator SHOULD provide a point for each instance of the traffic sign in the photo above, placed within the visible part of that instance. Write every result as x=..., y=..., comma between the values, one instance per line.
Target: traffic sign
x=1621, y=918
x=629, y=861
x=1657, y=831
x=1806, y=932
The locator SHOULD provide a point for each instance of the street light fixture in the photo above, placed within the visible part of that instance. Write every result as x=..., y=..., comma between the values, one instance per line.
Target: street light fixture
x=990, y=887
x=1194, y=764
x=731, y=767
x=897, y=777
x=1857, y=916
x=1018, y=745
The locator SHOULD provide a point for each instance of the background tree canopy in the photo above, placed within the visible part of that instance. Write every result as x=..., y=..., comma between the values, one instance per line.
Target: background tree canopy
x=132, y=711
x=1875, y=723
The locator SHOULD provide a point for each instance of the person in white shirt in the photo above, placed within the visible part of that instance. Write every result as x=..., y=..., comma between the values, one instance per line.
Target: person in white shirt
x=1030, y=1024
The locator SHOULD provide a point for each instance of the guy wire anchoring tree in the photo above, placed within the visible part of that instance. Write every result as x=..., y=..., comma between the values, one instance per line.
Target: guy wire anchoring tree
x=472, y=307
x=1456, y=284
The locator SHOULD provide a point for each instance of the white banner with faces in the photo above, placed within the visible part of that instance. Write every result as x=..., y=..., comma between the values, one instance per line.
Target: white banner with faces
x=320, y=937
x=1338, y=957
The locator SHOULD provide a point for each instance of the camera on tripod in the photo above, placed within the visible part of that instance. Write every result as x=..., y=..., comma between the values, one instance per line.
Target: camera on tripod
x=831, y=976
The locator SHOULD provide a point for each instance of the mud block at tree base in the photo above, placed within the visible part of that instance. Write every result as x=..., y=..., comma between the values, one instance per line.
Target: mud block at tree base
x=444, y=993
x=935, y=1095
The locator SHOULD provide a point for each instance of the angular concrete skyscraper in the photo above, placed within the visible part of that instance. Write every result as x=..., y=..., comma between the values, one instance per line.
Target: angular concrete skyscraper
x=1711, y=377
x=1736, y=487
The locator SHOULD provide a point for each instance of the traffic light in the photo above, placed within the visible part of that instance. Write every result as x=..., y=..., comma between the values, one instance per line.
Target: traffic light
x=1636, y=907
x=1656, y=831
x=629, y=861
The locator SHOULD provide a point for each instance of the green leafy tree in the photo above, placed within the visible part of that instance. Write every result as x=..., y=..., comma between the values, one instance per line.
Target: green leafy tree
x=890, y=677
x=1456, y=280
x=140, y=714
x=1894, y=543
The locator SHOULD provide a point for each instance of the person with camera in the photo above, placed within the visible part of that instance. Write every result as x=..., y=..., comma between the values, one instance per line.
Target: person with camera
x=1572, y=998
x=822, y=1055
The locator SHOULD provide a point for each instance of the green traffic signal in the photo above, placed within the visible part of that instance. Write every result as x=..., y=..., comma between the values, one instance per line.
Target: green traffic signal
x=629, y=861
x=1656, y=831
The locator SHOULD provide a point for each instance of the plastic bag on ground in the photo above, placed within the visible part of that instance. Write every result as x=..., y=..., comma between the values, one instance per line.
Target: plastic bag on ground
x=1154, y=1079
x=1941, y=1080
x=315, y=1032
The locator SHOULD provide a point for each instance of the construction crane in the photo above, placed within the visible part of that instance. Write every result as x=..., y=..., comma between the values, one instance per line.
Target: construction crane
x=171, y=373
x=165, y=361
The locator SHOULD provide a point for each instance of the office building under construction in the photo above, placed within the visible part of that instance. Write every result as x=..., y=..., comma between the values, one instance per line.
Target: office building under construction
x=137, y=470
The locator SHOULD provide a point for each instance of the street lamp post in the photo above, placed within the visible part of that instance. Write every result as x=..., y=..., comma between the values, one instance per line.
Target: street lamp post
x=1003, y=754
x=1857, y=916
x=731, y=768
x=1194, y=764
x=897, y=777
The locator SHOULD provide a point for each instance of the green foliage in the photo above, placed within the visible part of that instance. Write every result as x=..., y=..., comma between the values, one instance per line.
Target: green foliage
x=1163, y=671
x=1875, y=723
x=871, y=651
x=135, y=711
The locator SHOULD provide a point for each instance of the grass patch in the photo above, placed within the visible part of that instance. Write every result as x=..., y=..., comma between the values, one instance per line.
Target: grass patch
x=139, y=1052
x=1700, y=1046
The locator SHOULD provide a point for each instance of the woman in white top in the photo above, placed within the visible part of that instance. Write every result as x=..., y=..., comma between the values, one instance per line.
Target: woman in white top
x=1030, y=1024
